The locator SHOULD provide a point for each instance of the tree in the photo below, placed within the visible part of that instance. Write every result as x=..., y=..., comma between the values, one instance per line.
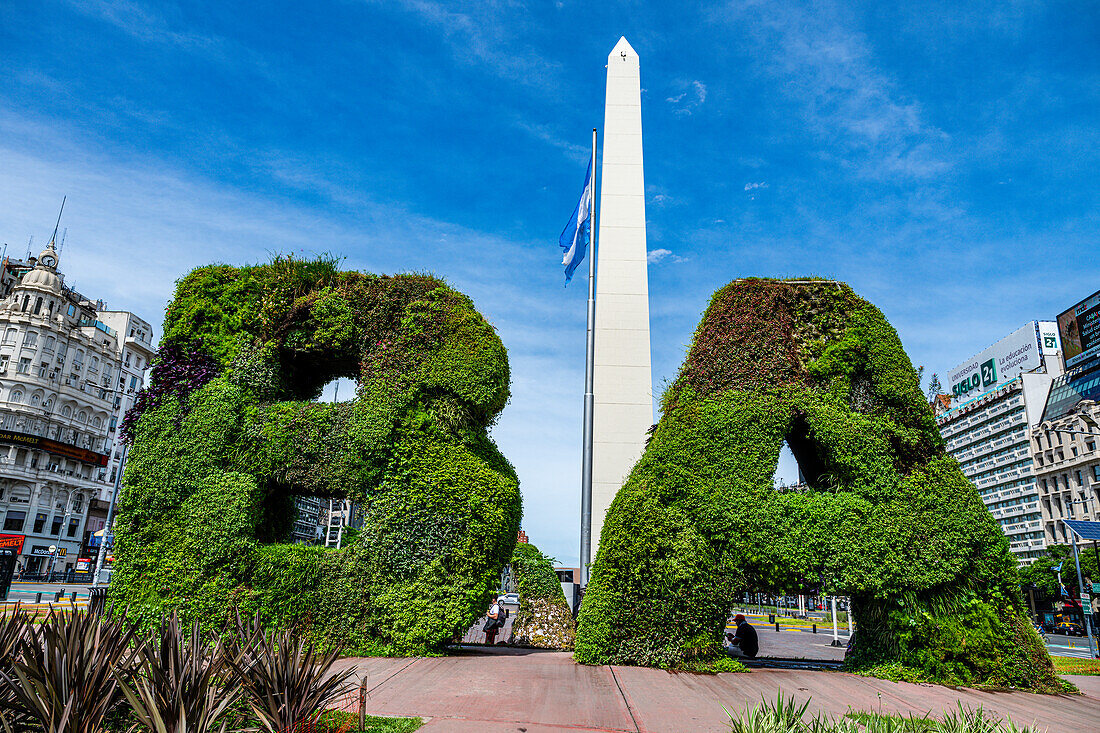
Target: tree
x=935, y=389
x=1042, y=573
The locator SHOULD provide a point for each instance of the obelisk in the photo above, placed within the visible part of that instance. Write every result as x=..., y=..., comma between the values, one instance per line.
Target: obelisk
x=622, y=379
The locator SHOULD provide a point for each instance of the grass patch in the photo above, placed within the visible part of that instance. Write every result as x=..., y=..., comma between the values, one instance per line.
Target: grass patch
x=1075, y=665
x=339, y=721
x=712, y=666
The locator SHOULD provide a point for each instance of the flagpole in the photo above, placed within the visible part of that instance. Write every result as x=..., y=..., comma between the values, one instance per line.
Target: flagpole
x=589, y=399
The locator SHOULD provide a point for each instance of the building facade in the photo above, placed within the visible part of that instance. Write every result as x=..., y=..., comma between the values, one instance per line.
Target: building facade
x=997, y=397
x=60, y=399
x=1066, y=451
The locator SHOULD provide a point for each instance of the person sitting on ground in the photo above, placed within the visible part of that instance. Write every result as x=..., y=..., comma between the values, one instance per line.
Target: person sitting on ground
x=743, y=642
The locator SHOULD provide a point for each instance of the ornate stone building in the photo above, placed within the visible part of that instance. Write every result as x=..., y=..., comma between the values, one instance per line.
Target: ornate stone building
x=63, y=385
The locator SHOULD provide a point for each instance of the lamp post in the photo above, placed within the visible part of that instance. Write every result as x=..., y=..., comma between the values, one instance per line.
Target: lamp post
x=114, y=493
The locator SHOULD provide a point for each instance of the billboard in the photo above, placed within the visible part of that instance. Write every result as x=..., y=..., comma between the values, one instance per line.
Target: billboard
x=1048, y=337
x=1019, y=352
x=1079, y=328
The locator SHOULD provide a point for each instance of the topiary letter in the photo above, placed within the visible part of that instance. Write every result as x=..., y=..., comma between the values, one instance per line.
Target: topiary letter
x=227, y=434
x=885, y=516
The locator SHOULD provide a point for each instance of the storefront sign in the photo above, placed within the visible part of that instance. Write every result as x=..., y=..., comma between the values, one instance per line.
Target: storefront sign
x=14, y=541
x=52, y=446
x=44, y=551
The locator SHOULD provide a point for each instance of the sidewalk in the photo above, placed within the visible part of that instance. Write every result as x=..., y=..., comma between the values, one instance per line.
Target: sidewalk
x=513, y=690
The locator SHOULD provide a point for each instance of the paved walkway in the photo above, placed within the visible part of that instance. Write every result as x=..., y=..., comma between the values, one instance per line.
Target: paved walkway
x=511, y=690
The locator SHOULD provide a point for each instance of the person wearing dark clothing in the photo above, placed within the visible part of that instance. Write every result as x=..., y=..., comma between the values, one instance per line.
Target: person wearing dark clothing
x=743, y=642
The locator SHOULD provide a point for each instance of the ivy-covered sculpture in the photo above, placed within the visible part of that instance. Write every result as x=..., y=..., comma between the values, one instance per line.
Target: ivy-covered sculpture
x=228, y=433
x=544, y=619
x=885, y=515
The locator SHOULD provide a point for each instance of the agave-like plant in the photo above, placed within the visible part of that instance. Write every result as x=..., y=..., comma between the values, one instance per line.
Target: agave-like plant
x=286, y=681
x=63, y=676
x=181, y=682
x=13, y=629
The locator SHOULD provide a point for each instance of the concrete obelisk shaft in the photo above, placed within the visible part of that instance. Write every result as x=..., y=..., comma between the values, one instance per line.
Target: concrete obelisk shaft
x=622, y=376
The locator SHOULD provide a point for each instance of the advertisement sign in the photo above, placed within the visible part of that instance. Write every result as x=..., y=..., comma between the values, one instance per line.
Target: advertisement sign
x=1079, y=328
x=1002, y=362
x=83, y=565
x=1048, y=337
x=14, y=541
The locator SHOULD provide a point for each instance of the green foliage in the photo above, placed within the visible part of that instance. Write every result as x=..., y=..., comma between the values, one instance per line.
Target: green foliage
x=1041, y=571
x=544, y=619
x=886, y=516
x=341, y=721
x=212, y=473
x=785, y=715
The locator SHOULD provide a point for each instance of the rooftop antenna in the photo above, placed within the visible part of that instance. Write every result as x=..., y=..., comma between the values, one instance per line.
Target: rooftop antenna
x=30, y=243
x=61, y=247
x=53, y=239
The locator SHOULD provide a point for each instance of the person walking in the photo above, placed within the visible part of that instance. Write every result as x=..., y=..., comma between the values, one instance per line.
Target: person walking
x=494, y=621
x=743, y=641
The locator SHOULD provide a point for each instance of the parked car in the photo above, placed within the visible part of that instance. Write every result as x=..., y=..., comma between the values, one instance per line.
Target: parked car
x=510, y=599
x=1069, y=628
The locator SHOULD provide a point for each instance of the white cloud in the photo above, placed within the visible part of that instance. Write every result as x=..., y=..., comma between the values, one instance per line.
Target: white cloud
x=690, y=99
x=754, y=186
x=656, y=256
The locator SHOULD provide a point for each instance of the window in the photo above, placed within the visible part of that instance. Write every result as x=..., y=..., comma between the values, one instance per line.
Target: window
x=1090, y=446
x=78, y=360
x=93, y=365
x=9, y=336
x=13, y=521
x=82, y=416
x=16, y=396
x=37, y=306
x=4, y=363
x=25, y=365
x=36, y=399
x=55, y=527
x=26, y=302
x=30, y=338
x=66, y=411
x=74, y=523
x=1096, y=472
x=133, y=382
x=62, y=350
x=97, y=422
x=72, y=310
x=43, y=369
x=1079, y=480
x=137, y=362
x=39, y=522
x=126, y=361
x=107, y=374
x=48, y=346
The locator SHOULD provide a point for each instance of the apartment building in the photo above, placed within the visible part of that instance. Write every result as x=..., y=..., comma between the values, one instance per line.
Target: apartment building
x=997, y=397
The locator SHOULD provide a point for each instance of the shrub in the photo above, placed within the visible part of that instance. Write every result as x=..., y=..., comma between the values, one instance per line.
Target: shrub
x=227, y=434
x=886, y=516
x=544, y=619
x=64, y=675
x=181, y=684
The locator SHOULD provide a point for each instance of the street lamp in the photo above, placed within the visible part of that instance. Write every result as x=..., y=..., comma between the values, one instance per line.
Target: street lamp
x=114, y=495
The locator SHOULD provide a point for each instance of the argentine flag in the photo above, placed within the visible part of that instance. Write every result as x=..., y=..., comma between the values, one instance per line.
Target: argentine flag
x=577, y=234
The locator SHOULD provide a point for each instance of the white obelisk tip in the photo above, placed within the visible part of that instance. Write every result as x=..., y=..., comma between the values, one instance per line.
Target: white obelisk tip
x=622, y=48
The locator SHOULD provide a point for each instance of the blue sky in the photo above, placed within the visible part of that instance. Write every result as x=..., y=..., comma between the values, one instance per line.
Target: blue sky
x=942, y=157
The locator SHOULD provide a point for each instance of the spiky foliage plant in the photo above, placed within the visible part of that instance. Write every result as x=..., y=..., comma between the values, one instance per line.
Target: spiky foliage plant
x=285, y=679
x=65, y=673
x=13, y=629
x=182, y=682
